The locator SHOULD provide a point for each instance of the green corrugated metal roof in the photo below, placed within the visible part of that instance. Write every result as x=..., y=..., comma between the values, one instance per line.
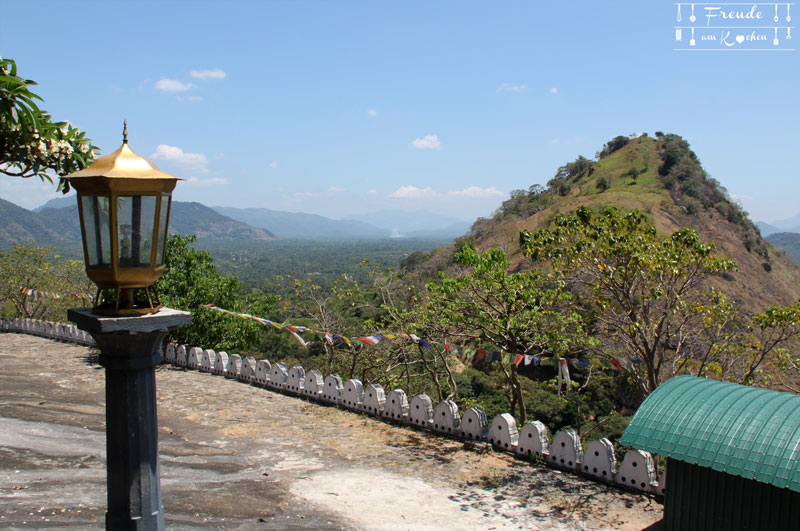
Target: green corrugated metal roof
x=745, y=431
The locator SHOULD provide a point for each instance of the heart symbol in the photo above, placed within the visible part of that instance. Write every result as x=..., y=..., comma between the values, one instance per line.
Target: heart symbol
x=740, y=39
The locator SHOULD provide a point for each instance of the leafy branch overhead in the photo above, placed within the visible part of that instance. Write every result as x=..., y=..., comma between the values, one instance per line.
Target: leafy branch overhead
x=31, y=142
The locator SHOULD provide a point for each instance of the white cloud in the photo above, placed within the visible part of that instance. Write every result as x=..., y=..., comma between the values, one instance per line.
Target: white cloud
x=428, y=142
x=213, y=181
x=413, y=192
x=273, y=164
x=554, y=90
x=215, y=73
x=172, y=85
x=472, y=192
x=476, y=192
x=336, y=190
x=306, y=194
x=508, y=87
x=176, y=155
x=372, y=191
x=372, y=113
x=195, y=98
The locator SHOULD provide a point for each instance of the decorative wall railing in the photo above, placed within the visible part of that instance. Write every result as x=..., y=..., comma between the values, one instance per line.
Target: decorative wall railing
x=565, y=451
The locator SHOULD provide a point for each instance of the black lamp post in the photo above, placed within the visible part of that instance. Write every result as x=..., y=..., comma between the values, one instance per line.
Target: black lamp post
x=124, y=201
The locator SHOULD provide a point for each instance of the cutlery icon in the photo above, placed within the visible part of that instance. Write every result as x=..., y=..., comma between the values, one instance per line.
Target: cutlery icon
x=679, y=12
x=692, y=18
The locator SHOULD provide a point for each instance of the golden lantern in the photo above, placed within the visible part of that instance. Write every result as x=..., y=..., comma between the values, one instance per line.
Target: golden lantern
x=124, y=203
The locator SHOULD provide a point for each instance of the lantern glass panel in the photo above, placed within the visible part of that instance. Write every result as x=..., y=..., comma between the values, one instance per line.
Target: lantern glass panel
x=162, y=227
x=97, y=223
x=135, y=219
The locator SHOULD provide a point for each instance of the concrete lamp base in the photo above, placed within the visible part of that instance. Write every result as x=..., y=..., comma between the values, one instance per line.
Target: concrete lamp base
x=129, y=351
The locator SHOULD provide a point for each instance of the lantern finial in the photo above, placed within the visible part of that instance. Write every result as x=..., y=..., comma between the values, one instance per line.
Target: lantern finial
x=125, y=131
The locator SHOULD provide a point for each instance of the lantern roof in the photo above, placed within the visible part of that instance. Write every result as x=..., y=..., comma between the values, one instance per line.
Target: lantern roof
x=122, y=163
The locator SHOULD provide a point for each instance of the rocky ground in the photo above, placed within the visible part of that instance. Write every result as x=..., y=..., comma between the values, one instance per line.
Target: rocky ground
x=234, y=456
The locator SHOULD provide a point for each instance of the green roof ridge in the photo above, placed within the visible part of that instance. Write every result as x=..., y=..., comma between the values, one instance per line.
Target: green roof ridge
x=744, y=431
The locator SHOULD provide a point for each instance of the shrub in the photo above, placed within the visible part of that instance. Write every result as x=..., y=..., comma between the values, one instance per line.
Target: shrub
x=615, y=144
x=603, y=184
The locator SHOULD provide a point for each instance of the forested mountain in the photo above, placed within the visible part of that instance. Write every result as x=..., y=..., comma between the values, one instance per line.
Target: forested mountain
x=302, y=226
x=419, y=224
x=60, y=226
x=767, y=228
x=662, y=177
x=20, y=225
x=414, y=223
x=789, y=242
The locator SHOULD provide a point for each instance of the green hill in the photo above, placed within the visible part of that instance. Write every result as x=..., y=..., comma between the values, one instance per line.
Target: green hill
x=662, y=177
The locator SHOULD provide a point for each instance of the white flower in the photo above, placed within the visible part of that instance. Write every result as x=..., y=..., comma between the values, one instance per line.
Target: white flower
x=41, y=147
x=84, y=148
x=64, y=148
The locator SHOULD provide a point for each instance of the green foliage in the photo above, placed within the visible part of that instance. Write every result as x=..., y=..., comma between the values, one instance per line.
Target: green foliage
x=691, y=187
x=610, y=426
x=414, y=260
x=572, y=170
x=258, y=264
x=603, y=184
x=36, y=268
x=31, y=143
x=485, y=390
x=547, y=406
x=189, y=282
x=615, y=144
x=520, y=313
x=640, y=285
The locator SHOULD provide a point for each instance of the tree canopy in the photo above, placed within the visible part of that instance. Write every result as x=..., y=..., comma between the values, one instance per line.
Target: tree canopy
x=527, y=312
x=642, y=286
x=189, y=282
x=35, y=268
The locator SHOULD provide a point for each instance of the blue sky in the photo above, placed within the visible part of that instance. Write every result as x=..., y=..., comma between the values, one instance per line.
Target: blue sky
x=344, y=107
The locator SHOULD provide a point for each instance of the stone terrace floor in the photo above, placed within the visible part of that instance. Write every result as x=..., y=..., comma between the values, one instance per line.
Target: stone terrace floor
x=234, y=456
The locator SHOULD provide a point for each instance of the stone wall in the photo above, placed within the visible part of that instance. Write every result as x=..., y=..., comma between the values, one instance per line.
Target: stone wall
x=564, y=451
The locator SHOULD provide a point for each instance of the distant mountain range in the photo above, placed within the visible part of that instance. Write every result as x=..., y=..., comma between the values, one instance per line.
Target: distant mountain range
x=415, y=223
x=301, y=226
x=375, y=225
x=791, y=224
x=789, y=242
x=56, y=223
